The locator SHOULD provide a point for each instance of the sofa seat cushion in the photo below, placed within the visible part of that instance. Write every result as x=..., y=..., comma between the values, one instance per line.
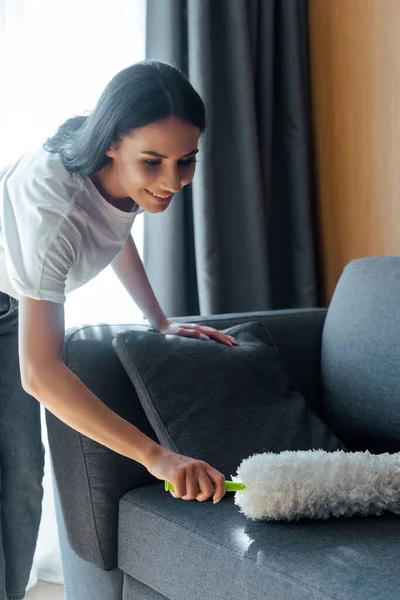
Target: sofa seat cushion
x=187, y=550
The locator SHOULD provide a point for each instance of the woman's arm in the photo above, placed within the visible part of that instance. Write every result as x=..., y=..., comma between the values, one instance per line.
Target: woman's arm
x=44, y=376
x=129, y=268
x=130, y=271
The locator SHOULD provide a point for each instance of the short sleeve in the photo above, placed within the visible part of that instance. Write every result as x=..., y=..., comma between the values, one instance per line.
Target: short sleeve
x=37, y=236
x=57, y=231
x=44, y=279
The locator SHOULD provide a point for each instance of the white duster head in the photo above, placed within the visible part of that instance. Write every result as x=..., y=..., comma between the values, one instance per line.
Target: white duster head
x=316, y=484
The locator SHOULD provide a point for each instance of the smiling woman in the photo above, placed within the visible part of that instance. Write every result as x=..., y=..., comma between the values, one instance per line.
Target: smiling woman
x=152, y=183
x=67, y=212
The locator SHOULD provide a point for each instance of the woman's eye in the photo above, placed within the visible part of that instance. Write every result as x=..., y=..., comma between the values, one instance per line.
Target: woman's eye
x=186, y=163
x=151, y=163
x=156, y=163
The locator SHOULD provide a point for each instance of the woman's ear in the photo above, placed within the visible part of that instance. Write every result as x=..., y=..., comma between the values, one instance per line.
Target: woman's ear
x=113, y=149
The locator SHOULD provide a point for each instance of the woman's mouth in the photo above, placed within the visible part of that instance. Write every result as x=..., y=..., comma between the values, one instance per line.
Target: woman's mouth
x=159, y=197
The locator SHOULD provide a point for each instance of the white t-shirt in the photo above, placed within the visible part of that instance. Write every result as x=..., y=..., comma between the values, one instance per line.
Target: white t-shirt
x=56, y=230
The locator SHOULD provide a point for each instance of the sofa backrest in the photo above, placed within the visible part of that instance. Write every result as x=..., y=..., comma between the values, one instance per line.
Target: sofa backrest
x=90, y=478
x=360, y=363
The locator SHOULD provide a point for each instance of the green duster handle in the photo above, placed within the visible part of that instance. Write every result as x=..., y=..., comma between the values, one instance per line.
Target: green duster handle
x=231, y=486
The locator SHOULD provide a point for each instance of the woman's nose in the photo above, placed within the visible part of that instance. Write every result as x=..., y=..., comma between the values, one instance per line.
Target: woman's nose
x=171, y=182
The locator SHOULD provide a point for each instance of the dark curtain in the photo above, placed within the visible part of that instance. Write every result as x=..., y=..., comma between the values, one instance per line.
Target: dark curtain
x=240, y=238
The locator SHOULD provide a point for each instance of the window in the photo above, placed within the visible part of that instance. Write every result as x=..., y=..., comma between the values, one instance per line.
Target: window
x=57, y=57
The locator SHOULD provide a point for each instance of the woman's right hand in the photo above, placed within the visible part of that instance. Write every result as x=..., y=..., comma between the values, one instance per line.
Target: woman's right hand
x=192, y=479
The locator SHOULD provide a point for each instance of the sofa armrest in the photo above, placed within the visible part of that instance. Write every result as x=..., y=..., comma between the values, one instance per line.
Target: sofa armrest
x=90, y=478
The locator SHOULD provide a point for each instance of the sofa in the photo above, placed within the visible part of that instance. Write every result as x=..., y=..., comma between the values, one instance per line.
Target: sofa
x=123, y=537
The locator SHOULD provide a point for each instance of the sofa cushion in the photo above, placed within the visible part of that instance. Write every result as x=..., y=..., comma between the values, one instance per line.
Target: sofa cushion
x=218, y=403
x=361, y=356
x=197, y=550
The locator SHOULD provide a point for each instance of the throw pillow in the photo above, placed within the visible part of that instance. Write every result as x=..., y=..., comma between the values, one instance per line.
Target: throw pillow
x=219, y=403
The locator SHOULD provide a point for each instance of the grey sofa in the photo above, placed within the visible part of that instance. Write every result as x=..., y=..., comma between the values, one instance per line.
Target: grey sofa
x=123, y=537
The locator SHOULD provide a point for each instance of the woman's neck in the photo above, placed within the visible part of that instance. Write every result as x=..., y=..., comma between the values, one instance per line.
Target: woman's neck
x=121, y=202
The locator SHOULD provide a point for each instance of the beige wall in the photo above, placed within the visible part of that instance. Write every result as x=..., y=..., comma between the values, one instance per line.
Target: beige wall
x=355, y=80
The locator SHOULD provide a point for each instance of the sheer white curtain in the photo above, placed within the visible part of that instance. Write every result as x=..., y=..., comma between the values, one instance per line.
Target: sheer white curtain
x=56, y=56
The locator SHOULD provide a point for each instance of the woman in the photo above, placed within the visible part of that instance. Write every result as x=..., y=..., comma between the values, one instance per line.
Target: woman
x=66, y=213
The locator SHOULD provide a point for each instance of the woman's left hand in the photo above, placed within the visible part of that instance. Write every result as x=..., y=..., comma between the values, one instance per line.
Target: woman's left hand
x=194, y=330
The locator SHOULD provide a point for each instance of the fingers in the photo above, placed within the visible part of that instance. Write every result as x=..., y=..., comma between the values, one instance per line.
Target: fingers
x=192, y=484
x=199, y=482
x=223, y=338
x=179, y=485
x=192, y=333
x=218, y=335
x=219, y=484
x=206, y=333
x=186, y=484
x=211, y=330
x=206, y=487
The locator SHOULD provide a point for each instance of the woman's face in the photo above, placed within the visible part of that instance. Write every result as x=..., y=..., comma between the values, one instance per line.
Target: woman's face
x=152, y=163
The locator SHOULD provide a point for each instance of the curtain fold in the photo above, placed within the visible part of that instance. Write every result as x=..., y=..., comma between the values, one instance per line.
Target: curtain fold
x=241, y=238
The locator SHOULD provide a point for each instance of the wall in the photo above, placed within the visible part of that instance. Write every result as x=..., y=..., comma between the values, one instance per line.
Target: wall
x=355, y=81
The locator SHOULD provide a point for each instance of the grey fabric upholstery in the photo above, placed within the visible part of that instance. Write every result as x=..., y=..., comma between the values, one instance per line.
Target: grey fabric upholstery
x=82, y=579
x=85, y=581
x=135, y=590
x=175, y=550
x=223, y=404
x=361, y=356
x=198, y=551
x=91, y=479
